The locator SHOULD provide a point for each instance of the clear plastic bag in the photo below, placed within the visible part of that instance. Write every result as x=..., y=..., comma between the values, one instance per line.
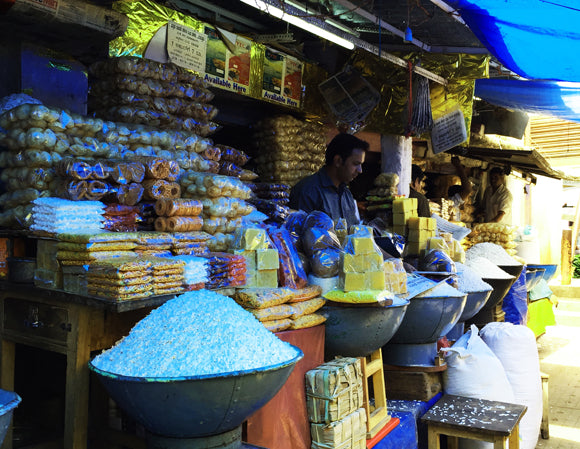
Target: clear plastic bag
x=291, y=272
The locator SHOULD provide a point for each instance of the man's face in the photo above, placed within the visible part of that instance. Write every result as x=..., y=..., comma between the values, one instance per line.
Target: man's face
x=419, y=185
x=495, y=179
x=351, y=167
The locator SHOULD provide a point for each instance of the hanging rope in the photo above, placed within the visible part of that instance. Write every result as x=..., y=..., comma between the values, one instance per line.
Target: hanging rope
x=410, y=104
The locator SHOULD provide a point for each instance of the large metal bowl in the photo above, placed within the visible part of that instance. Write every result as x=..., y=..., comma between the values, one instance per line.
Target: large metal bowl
x=500, y=288
x=550, y=270
x=533, y=277
x=474, y=303
x=359, y=331
x=428, y=319
x=196, y=406
x=514, y=270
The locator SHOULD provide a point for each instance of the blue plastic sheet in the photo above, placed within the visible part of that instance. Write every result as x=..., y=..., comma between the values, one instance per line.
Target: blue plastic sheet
x=515, y=303
x=536, y=39
x=557, y=99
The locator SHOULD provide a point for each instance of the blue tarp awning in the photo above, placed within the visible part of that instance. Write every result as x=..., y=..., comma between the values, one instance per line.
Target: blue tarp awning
x=537, y=39
x=556, y=99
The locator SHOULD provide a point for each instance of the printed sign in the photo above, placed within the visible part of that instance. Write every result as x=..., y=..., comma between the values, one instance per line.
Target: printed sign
x=186, y=47
x=448, y=131
x=227, y=66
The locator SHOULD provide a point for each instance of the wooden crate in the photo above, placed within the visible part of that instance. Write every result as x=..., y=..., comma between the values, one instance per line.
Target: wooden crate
x=412, y=385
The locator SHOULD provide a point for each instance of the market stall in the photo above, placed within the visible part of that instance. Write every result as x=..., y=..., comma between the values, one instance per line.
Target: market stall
x=148, y=238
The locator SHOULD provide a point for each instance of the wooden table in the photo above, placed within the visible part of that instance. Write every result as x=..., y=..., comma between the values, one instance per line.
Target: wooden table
x=477, y=419
x=68, y=324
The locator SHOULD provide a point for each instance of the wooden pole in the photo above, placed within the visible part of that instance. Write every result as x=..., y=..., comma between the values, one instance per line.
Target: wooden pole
x=566, y=257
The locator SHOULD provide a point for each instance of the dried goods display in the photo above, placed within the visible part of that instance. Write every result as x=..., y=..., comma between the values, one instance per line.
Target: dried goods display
x=289, y=149
x=138, y=90
x=42, y=139
x=498, y=233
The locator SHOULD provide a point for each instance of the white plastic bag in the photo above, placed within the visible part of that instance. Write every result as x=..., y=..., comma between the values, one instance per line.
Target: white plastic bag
x=515, y=346
x=474, y=371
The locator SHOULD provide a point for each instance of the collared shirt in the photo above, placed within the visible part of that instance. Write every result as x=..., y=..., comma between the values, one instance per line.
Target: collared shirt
x=422, y=203
x=500, y=200
x=457, y=202
x=317, y=192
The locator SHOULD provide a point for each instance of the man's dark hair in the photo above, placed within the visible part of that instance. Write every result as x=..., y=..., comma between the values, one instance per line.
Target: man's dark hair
x=452, y=190
x=497, y=171
x=416, y=173
x=343, y=146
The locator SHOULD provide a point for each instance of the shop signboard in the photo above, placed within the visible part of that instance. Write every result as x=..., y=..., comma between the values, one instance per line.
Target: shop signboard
x=227, y=60
x=293, y=82
x=274, y=71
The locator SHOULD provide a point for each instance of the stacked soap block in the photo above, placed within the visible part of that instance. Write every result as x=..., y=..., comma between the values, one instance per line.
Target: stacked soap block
x=363, y=268
x=262, y=261
x=403, y=209
x=395, y=276
x=421, y=229
x=334, y=401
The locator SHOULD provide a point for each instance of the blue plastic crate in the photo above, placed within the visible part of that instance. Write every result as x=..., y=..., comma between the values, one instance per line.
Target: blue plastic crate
x=8, y=402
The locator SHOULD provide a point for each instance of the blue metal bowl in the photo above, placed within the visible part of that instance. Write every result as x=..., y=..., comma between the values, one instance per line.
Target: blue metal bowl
x=8, y=402
x=428, y=319
x=474, y=303
x=550, y=270
x=196, y=406
x=359, y=331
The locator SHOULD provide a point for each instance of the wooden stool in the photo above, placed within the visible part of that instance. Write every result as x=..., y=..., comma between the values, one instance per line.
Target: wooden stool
x=372, y=368
x=545, y=426
x=477, y=419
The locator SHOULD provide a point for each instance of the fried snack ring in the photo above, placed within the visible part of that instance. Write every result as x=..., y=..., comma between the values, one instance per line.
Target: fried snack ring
x=177, y=224
x=178, y=207
x=138, y=280
x=96, y=190
x=161, y=224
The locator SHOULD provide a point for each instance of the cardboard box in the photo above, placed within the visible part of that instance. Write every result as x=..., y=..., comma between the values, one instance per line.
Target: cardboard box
x=334, y=390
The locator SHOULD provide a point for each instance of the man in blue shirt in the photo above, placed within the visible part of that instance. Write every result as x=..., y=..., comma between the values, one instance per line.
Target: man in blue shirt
x=327, y=190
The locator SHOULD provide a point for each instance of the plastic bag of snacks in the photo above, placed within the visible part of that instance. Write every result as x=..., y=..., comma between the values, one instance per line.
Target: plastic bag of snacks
x=259, y=298
x=291, y=273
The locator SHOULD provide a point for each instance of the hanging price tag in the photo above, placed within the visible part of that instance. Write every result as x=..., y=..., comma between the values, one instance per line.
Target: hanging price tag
x=448, y=131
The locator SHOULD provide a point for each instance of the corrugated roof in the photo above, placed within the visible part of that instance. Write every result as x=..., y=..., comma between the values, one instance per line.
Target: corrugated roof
x=557, y=140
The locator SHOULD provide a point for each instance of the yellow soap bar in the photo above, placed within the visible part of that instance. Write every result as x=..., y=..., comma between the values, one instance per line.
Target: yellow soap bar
x=267, y=259
x=254, y=238
x=363, y=245
x=399, y=219
x=402, y=282
x=389, y=267
x=267, y=278
x=431, y=224
x=424, y=223
x=250, y=257
x=418, y=235
x=401, y=205
x=438, y=243
x=354, y=282
x=375, y=261
x=348, y=263
x=414, y=203
x=375, y=280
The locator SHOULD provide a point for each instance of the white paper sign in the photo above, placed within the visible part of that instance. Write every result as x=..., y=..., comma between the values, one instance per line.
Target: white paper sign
x=448, y=131
x=186, y=47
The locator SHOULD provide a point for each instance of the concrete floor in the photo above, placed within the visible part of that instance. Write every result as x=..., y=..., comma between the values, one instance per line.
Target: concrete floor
x=559, y=351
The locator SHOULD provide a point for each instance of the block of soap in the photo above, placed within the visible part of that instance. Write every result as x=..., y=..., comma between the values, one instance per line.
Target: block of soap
x=399, y=219
x=267, y=259
x=363, y=245
x=400, y=229
x=401, y=205
x=415, y=248
x=375, y=261
x=354, y=282
x=348, y=263
x=431, y=224
x=267, y=278
x=251, y=280
x=375, y=280
x=250, y=257
x=254, y=238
